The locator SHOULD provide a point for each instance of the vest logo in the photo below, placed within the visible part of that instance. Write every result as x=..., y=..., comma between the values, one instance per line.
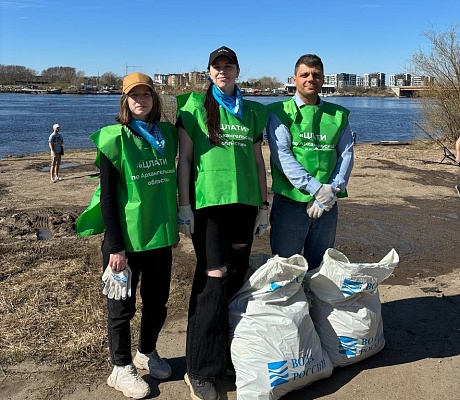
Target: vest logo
x=278, y=373
x=231, y=127
x=311, y=135
x=347, y=346
x=152, y=163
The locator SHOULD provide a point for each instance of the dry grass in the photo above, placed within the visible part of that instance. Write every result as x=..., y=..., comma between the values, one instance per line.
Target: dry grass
x=51, y=306
x=52, y=309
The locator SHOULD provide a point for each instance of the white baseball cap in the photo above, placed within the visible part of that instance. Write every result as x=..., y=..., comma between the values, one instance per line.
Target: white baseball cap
x=56, y=126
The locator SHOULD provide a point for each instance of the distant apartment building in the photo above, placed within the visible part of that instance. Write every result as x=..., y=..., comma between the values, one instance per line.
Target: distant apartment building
x=197, y=78
x=400, y=80
x=345, y=81
x=330, y=79
x=374, y=80
x=360, y=81
x=420, y=80
x=185, y=79
x=176, y=80
x=340, y=81
x=173, y=80
x=160, y=79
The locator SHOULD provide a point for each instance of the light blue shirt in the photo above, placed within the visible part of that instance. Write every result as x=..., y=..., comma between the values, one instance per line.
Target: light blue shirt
x=280, y=142
x=56, y=141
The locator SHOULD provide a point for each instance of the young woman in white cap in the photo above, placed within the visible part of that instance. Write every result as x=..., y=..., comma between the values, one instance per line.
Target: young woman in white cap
x=222, y=203
x=135, y=204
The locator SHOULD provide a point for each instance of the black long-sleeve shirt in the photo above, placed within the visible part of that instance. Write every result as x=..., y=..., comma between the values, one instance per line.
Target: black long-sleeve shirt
x=110, y=178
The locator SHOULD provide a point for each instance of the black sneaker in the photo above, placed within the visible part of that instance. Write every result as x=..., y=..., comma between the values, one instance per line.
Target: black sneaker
x=457, y=188
x=201, y=390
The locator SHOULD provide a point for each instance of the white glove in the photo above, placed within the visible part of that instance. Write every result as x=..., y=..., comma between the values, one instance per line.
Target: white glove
x=327, y=196
x=261, y=225
x=117, y=285
x=315, y=209
x=186, y=220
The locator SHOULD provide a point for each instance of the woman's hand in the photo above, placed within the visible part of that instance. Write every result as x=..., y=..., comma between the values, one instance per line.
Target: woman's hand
x=118, y=261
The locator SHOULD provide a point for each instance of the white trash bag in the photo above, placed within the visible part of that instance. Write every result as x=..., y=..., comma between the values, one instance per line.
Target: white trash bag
x=346, y=307
x=255, y=262
x=274, y=346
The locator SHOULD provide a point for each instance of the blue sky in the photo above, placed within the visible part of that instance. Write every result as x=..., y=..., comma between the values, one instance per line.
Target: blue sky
x=160, y=36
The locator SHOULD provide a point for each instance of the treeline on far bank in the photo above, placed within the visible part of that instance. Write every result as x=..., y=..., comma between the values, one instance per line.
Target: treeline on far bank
x=15, y=77
x=68, y=79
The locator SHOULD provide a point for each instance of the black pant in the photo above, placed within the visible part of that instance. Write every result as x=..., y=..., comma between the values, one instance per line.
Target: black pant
x=217, y=229
x=155, y=268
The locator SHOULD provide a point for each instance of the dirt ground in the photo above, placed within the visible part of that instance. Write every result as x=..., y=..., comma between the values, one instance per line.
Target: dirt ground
x=400, y=196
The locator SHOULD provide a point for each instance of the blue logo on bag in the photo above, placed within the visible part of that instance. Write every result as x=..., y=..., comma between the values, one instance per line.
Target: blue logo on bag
x=278, y=285
x=350, y=287
x=278, y=373
x=347, y=346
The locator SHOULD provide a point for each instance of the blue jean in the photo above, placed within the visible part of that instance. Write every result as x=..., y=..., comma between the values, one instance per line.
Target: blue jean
x=293, y=231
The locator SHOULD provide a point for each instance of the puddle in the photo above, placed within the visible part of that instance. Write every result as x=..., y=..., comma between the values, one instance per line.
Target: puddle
x=62, y=166
x=44, y=234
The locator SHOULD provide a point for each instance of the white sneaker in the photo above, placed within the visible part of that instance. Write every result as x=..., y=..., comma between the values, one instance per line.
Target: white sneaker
x=127, y=380
x=157, y=367
x=57, y=178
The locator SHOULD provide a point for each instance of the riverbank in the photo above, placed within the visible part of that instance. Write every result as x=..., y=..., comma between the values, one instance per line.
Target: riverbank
x=53, y=336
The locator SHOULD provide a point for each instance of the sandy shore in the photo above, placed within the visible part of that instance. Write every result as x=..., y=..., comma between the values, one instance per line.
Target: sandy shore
x=399, y=197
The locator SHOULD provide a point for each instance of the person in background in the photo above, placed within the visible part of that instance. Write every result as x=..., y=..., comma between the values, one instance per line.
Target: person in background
x=222, y=204
x=138, y=211
x=310, y=166
x=55, y=143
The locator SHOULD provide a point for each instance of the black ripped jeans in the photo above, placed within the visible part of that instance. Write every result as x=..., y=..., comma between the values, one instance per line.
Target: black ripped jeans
x=217, y=230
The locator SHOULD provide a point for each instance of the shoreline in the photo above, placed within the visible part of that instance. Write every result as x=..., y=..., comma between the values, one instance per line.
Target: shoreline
x=77, y=150
x=47, y=154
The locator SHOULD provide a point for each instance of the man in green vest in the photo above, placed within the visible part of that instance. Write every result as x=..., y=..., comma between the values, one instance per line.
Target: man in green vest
x=310, y=166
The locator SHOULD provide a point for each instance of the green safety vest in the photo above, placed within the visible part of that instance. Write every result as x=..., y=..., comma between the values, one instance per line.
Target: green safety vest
x=315, y=133
x=147, y=202
x=227, y=173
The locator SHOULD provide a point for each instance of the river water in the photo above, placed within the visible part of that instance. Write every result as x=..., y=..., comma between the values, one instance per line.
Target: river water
x=26, y=120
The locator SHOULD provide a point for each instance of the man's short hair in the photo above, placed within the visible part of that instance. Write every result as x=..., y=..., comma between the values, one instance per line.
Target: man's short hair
x=310, y=60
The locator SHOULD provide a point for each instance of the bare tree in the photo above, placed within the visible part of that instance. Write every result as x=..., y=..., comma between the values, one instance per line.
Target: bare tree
x=59, y=74
x=9, y=74
x=267, y=82
x=79, y=79
x=110, y=79
x=440, y=106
